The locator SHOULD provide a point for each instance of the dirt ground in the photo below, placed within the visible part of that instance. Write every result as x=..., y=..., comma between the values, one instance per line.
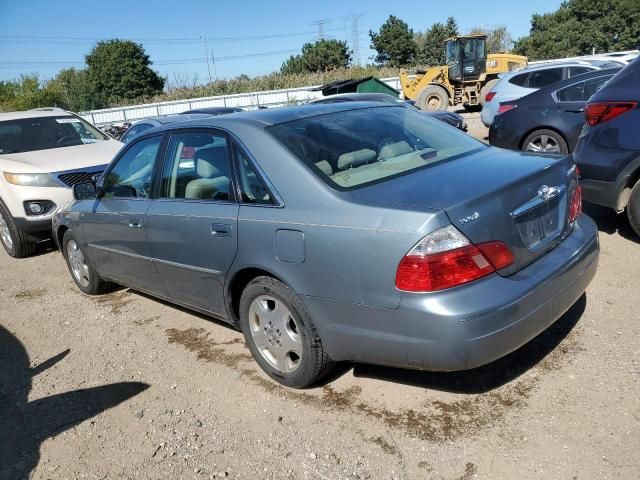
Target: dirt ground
x=125, y=386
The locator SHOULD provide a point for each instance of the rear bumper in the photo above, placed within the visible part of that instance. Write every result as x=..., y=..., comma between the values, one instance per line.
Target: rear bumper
x=468, y=326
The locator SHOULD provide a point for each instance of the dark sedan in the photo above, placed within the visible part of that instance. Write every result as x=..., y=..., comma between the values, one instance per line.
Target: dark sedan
x=608, y=151
x=347, y=232
x=548, y=120
x=144, y=125
x=214, y=110
x=450, y=118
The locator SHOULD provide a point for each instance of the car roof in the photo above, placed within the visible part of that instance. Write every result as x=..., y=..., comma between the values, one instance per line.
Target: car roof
x=357, y=97
x=173, y=118
x=273, y=116
x=544, y=66
x=32, y=114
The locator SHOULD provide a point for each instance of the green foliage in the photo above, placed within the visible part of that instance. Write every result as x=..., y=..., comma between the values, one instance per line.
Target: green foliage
x=579, y=26
x=394, y=43
x=498, y=39
x=120, y=69
x=78, y=92
x=29, y=92
x=320, y=56
x=430, y=44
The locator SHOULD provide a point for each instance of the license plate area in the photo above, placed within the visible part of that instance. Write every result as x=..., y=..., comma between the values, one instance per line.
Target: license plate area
x=543, y=223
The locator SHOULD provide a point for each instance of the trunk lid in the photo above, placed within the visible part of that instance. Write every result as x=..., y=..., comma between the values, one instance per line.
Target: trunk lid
x=491, y=195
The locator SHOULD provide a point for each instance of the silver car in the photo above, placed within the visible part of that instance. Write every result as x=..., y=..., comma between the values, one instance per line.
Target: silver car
x=341, y=232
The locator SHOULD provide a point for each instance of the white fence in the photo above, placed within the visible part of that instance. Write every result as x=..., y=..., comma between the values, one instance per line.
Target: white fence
x=271, y=98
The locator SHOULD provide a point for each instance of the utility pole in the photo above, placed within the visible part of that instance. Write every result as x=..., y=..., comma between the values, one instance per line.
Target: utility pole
x=320, y=24
x=355, y=36
x=206, y=55
x=215, y=70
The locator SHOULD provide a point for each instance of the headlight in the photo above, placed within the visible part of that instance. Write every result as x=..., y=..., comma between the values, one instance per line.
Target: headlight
x=32, y=179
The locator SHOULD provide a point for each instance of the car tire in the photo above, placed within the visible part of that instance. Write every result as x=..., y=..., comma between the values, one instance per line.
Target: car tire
x=486, y=89
x=16, y=243
x=281, y=335
x=433, y=98
x=546, y=141
x=633, y=208
x=83, y=274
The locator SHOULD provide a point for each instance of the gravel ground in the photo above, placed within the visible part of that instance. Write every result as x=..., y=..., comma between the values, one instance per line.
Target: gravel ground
x=125, y=386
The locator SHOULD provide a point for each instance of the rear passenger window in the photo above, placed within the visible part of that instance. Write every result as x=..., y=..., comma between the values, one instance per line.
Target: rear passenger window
x=542, y=78
x=519, y=80
x=197, y=167
x=581, y=92
x=252, y=188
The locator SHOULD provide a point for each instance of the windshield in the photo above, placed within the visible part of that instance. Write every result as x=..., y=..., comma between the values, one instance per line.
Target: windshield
x=452, y=52
x=354, y=148
x=43, y=133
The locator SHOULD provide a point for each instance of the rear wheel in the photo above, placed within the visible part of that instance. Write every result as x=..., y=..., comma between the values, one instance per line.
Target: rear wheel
x=633, y=208
x=85, y=276
x=545, y=141
x=433, y=98
x=281, y=335
x=15, y=242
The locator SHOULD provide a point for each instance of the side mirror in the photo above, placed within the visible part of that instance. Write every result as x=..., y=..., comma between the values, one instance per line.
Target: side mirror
x=85, y=191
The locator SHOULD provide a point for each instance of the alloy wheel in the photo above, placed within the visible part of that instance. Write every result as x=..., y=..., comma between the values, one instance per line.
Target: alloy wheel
x=5, y=234
x=275, y=333
x=79, y=267
x=543, y=144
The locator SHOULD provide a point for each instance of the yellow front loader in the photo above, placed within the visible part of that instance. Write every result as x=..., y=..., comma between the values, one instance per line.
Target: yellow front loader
x=466, y=78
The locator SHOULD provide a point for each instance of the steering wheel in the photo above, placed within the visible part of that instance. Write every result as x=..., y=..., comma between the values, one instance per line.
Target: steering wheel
x=65, y=139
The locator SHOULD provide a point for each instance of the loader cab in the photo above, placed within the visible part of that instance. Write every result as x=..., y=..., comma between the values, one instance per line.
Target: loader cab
x=466, y=58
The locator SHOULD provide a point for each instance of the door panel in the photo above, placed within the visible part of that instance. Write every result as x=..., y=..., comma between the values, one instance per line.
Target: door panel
x=191, y=227
x=115, y=229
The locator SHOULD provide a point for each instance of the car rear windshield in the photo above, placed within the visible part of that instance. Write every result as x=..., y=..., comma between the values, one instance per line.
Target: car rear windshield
x=43, y=133
x=354, y=148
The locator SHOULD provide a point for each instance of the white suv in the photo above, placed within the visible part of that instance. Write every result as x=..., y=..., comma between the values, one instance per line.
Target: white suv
x=43, y=154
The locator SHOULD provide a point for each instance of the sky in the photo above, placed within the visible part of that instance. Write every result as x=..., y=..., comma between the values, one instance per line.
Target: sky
x=245, y=37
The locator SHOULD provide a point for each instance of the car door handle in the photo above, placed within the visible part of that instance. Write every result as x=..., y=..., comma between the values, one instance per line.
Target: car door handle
x=133, y=223
x=220, y=230
x=575, y=110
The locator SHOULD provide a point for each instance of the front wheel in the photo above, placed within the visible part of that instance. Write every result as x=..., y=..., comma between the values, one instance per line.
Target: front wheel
x=633, y=208
x=433, y=98
x=545, y=141
x=281, y=335
x=15, y=242
x=85, y=276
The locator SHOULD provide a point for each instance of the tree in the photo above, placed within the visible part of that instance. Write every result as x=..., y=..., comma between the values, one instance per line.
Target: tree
x=498, y=39
x=78, y=91
x=29, y=92
x=579, y=27
x=120, y=69
x=394, y=43
x=320, y=56
x=430, y=44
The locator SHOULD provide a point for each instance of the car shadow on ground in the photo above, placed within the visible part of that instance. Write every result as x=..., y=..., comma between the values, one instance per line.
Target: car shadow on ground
x=610, y=222
x=487, y=377
x=25, y=424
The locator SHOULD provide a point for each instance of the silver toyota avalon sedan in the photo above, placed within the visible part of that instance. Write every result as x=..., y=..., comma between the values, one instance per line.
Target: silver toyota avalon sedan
x=341, y=232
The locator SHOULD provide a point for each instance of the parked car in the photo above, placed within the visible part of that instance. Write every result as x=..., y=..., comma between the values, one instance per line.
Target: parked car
x=451, y=118
x=608, y=150
x=43, y=153
x=549, y=120
x=144, y=125
x=363, y=232
x=214, y=110
x=517, y=84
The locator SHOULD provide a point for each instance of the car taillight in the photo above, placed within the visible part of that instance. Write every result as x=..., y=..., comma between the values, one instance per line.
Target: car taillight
x=604, y=111
x=505, y=108
x=445, y=258
x=489, y=96
x=575, y=204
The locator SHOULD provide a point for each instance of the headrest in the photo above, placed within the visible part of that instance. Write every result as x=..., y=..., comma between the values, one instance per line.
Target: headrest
x=356, y=158
x=325, y=167
x=212, y=162
x=393, y=150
